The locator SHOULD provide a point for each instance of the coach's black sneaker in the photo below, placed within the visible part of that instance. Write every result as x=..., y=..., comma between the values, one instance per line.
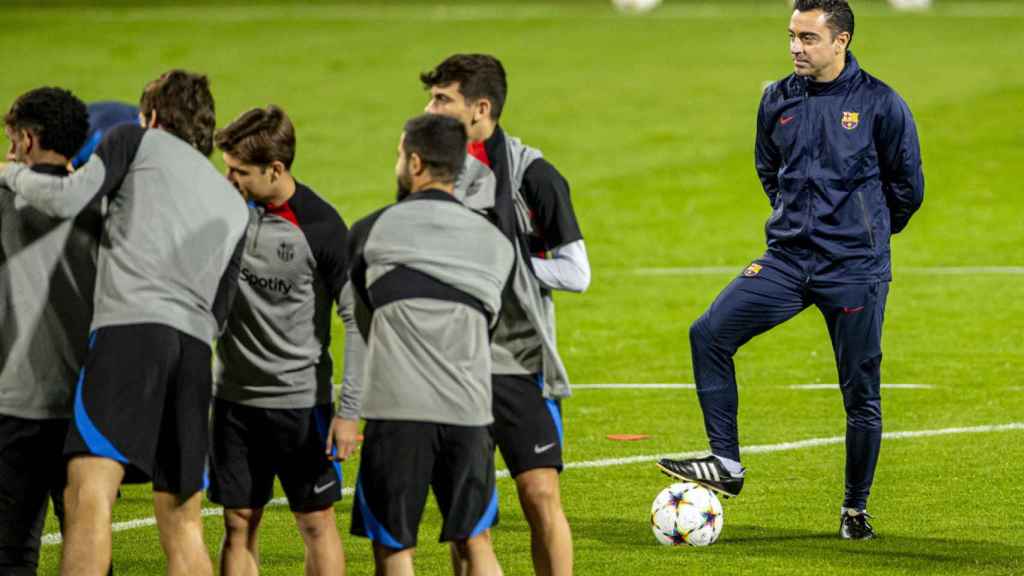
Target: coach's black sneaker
x=704, y=471
x=853, y=525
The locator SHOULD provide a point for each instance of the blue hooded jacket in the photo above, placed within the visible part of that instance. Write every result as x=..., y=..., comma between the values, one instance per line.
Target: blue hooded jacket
x=841, y=165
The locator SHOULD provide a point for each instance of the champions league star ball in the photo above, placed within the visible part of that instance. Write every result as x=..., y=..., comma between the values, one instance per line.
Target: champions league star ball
x=685, y=513
x=636, y=5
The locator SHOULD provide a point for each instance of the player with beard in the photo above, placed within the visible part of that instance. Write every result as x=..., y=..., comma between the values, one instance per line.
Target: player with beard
x=427, y=274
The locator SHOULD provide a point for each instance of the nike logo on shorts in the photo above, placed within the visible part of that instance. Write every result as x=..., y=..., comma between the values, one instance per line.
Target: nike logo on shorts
x=320, y=489
x=542, y=449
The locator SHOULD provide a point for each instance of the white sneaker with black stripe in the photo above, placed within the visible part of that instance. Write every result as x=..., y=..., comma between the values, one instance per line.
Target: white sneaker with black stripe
x=707, y=471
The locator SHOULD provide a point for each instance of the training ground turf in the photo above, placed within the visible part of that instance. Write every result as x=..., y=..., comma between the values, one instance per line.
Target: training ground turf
x=651, y=118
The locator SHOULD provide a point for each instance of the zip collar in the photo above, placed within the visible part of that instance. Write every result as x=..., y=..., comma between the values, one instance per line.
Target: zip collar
x=431, y=194
x=850, y=70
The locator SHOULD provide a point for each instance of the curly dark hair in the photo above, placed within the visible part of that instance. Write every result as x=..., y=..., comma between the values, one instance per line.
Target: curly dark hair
x=184, y=107
x=479, y=76
x=838, y=14
x=56, y=116
x=259, y=136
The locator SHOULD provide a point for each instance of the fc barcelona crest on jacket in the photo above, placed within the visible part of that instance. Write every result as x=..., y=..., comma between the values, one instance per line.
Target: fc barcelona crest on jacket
x=851, y=120
x=285, y=252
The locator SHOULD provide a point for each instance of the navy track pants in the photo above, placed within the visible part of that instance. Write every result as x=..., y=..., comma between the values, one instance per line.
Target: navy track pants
x=768, y=293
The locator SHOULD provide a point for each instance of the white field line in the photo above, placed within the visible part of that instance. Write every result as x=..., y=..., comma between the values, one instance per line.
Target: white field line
x=634, y=387
x=55, y=538
x=680, y=386
x=897, y=270
x=836, y=386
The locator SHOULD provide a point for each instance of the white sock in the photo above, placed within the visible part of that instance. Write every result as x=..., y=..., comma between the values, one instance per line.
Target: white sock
x=850, y=511
x=735, y=468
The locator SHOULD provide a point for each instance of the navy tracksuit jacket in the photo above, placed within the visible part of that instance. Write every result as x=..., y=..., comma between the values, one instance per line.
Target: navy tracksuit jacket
x=841, y=165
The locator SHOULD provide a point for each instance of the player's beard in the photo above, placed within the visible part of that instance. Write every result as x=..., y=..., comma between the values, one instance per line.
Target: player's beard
x=404, y=182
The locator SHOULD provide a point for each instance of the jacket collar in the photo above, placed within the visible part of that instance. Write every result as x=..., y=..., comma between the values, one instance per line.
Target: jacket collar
x=431, y=194
x=495, y=144
x=51, y=169
x=851, y=69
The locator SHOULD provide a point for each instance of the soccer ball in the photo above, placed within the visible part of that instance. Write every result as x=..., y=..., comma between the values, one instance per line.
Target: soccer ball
x=685, y=513
x=910, y=4
x=636, y=5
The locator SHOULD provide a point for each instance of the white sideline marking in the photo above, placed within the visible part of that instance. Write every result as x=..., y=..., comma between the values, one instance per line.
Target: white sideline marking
x=799, y=445
x=634, y=386
x=834, y=386
x=55, y=538
x=662, y=386
x=897, y=270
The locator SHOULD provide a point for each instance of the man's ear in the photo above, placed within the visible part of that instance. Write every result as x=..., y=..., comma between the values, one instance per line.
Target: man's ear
x=842, y=41
x=148, y=122
x=28, y=138
x=277, y=170
x=481, y=109
x=416, y=164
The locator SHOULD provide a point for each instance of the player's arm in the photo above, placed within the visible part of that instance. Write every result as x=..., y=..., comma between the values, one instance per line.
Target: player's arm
x=227, y=288
x=899, y=161
x=767, y=159
x=355, y=311
x=329, y=237
x=567, y=269
x=547, y=194
x=346, y=423
x=65, y=197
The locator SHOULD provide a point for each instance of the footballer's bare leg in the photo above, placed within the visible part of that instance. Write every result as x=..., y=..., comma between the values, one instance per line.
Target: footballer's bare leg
x=181, y=534
x=324, y=553
x=240, y=550
x=391, y=562
x=88, y=502
x=460, y=562
x=550, y=537
x=479, y=556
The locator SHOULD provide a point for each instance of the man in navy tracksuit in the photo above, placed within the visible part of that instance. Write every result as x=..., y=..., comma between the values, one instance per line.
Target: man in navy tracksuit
x=838, y=156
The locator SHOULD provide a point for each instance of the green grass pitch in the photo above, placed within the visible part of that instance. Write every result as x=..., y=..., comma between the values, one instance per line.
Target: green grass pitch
x=652, y=120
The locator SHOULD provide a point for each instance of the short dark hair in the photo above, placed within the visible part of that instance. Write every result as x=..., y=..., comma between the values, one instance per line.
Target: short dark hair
x=440, y=142
x=479, y=76
x=838, y=14
x=259, y=136
x=184, y=107
x=56, y=116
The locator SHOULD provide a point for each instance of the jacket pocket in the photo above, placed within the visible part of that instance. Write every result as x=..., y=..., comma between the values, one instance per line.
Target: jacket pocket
x=866, y=218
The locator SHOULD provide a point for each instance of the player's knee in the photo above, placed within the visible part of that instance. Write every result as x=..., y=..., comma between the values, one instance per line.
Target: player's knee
x=539, y=492
x=865, y=416
x=241, y=522
x=701, y=334
x=314, y=525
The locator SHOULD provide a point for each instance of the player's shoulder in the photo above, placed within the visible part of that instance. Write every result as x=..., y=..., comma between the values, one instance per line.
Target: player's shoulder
x=868, y=81
x=121, y=137
x=312, y=209
x=879, y=92
x=542, y=169
x=363, y=226
x=790, y=86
